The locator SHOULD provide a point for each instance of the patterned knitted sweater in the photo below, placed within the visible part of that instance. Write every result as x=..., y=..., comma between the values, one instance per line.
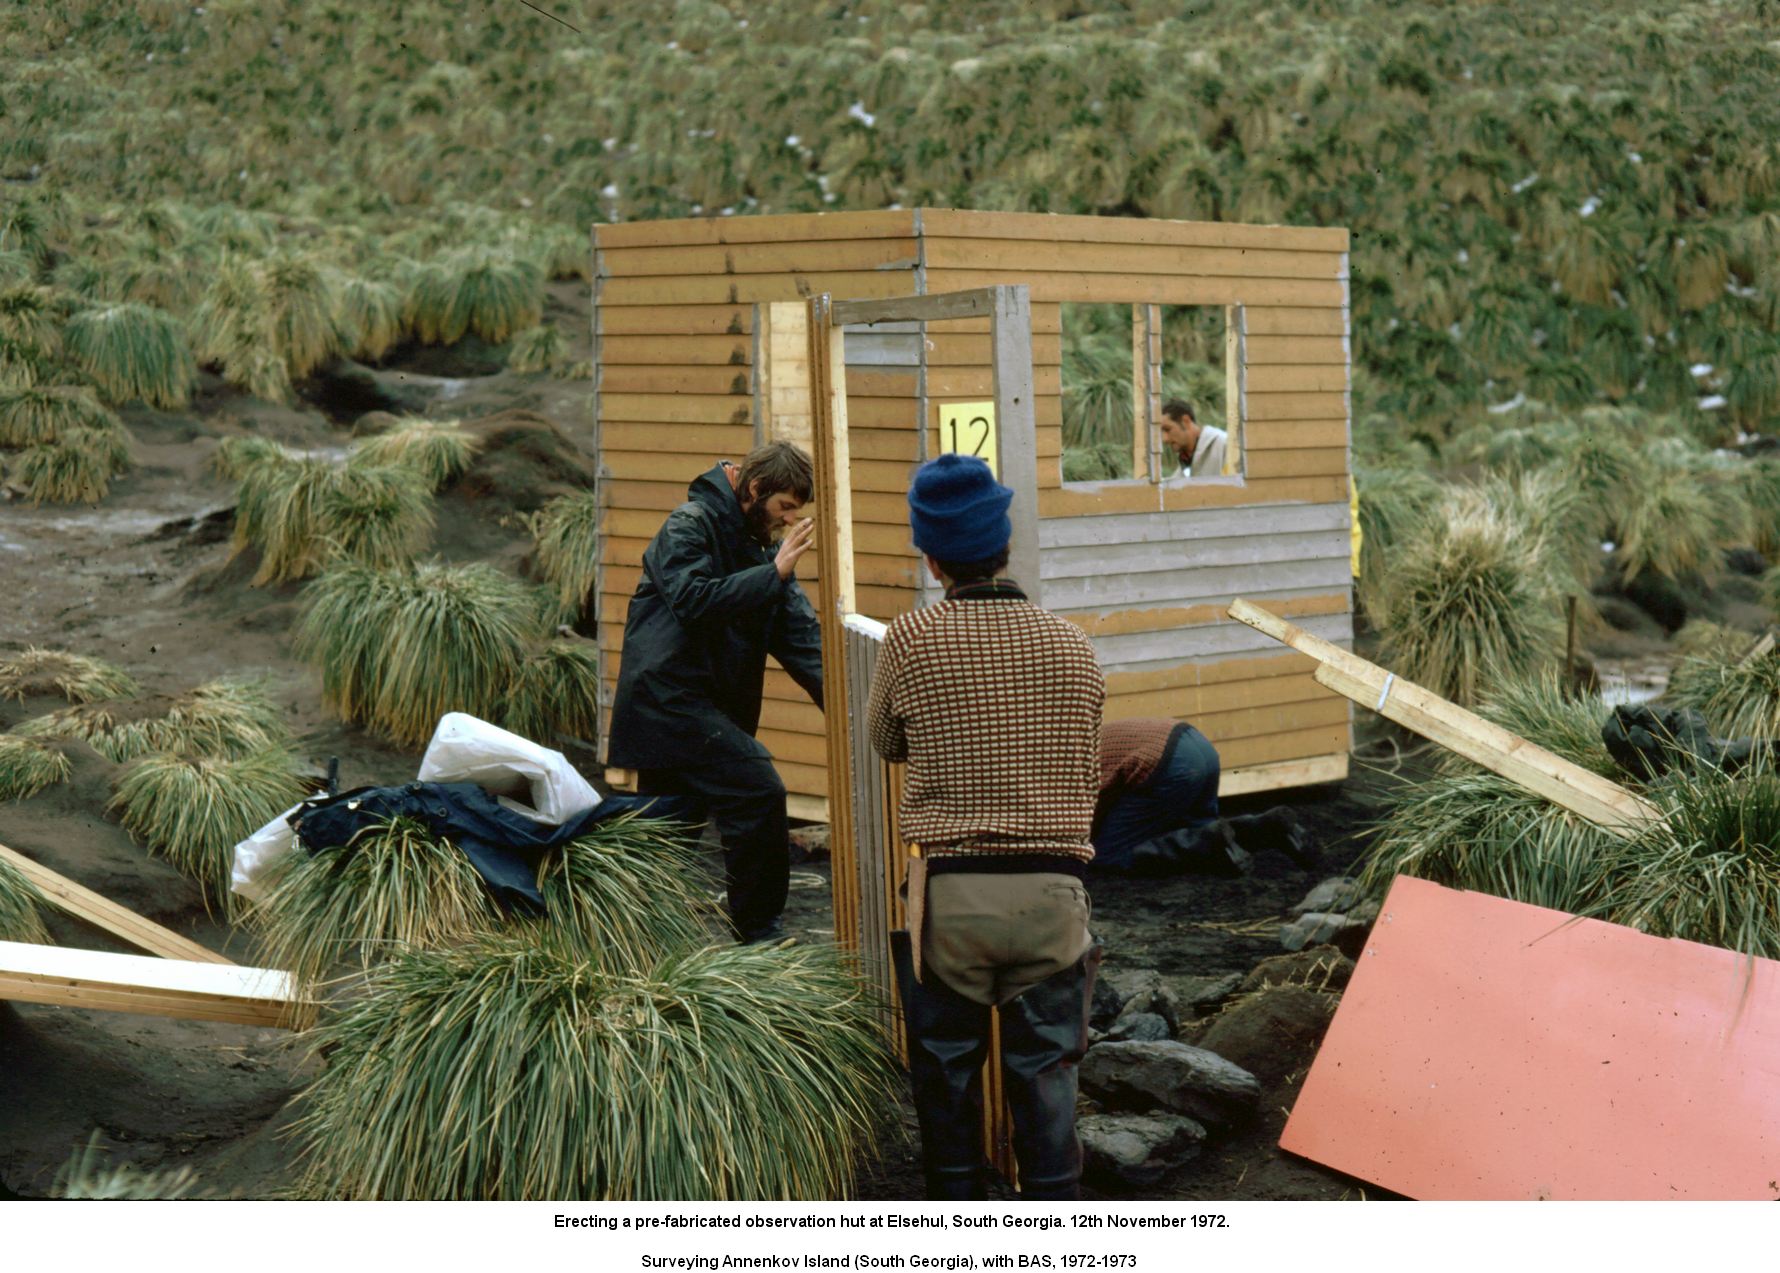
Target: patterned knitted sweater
x=995, y=705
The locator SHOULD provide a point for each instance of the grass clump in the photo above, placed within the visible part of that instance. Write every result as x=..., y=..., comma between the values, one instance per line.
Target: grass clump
x=1739, y=697
x=132, y=352
x=378, y=514
x=76, y=677
x=27, y=766
x=555, y=689
x=220, y=718
x=493, y=294
x=398, y=650
x=301, y=512
x=194, y=810
x=34, y=415
x=536, y=349
x=565, y=540
x=721, y=1073
x=76, y=468
x=1468, y=602
x=439, y=450
x=19, y=900
x=371, y=311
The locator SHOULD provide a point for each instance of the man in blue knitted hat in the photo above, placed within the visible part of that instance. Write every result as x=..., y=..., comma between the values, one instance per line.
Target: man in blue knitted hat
x=995, y=706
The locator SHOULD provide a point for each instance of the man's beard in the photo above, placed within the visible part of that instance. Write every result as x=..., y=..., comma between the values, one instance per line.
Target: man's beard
x=760, y=530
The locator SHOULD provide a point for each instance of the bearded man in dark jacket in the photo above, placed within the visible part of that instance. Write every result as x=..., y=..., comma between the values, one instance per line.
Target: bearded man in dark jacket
x=719, y=593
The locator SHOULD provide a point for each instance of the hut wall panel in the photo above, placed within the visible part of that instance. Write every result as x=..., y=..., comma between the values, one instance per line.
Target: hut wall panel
x=704, y=261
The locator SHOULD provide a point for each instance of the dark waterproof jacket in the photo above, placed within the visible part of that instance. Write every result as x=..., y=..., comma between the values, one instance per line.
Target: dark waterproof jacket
x=709, y=609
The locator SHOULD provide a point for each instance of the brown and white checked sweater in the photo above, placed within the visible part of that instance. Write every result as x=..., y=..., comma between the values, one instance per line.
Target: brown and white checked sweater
x=995, y=704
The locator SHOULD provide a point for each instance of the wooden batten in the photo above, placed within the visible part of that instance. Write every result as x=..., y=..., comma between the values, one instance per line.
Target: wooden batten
x=156, y=987
x=106, y=915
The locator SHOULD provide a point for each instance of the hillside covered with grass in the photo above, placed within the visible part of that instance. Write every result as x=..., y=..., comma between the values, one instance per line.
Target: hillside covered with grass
x=1572, y=204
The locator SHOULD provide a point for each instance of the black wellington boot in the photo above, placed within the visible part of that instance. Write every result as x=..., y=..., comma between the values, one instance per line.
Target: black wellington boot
x=948, y=1040
x=1208, y=850
x=1044, y=1033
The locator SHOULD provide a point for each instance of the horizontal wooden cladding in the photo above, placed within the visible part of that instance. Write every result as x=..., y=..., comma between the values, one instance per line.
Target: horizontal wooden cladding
x=1206, y=551
x=675, y=408
x=1175, y=527
x=727, y=381
x=734, y=289
x=1262, y=408
x=1297, y=744
x=1279, y=661
x=1293, y=351
x=1080, y=286
x=1189, y=702
x=1167, y=618
x=1281, y=775
x=937, y=224
x=1083, y=499
x=826, y=255
x=687, y=351
x=791, y=227
x=1158, y=651
x=673, y=320
x=1264, y=320
x=1017, y=258
x=1267, y=463
x=1265, y=377
x=713, y=441
x=1275, y=435
x=881, y=444
x=1280, y=718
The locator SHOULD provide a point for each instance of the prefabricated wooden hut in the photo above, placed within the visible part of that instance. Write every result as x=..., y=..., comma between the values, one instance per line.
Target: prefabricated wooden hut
x=689, y=368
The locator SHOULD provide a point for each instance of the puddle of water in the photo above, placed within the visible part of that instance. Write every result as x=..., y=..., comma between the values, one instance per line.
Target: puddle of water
x=1625, y=682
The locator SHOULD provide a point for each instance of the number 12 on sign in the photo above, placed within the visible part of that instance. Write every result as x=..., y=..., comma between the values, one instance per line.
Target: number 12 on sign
x=968, y=428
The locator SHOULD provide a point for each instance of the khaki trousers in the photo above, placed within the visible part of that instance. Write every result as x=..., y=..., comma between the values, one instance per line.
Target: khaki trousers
x=991, y=937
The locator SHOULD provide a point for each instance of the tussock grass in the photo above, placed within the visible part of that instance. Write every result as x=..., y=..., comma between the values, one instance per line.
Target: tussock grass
x=133, y=352
x=79, y=678
x=371, y=313
x=23, y=364
x=86, y=1177
x=19, y=900
x=1761, y=488
x=1394, y=503
x=537, y=349
x=1674, y=522
x=493, y=294
x=225, y=718
x=278, y=509
x=28, y=316
x=1739, y=699
x=555, y=690
x=1102, y=462
x=271, y=321
x=1469, y=602
x=37, y=414
x=76, y=468
x=194, y=810
x=565, y=539
x=378, y=514
x=27, y=766
x=439, y=450
x=399, y=650
x=721, y=1073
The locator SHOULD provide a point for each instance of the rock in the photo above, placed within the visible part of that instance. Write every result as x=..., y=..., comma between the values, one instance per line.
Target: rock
x=1315, y=927
x=1660, y=598
x=1143, y=990
x=1332, y=895
x=1320, y=968
x=1136, y=1149
x=809, y=844
x=1140, y=1027
x=1176, y=1077
x=1200, y=995
x=1745, y=561
x=1273, y=1033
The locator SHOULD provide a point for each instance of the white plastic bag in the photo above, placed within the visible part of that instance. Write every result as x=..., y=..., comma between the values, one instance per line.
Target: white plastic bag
x=527, y=778
x=258, y=851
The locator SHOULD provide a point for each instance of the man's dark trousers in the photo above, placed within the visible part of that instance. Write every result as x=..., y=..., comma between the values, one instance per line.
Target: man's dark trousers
x=745, y=800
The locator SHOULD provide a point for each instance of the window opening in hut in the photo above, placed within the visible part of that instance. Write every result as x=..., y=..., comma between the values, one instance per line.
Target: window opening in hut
x=1199, y=364
x=1105, y=418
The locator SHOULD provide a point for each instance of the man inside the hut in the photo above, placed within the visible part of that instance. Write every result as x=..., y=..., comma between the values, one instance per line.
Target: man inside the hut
x=719, y=593
x=995, y=705
x=1199, y=447
x=1158, y=810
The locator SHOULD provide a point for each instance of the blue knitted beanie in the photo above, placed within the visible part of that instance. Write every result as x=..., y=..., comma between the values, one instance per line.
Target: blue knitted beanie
x=958, y=510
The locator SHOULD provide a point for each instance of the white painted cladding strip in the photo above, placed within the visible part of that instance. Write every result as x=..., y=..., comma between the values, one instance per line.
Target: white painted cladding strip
x=1201, y=523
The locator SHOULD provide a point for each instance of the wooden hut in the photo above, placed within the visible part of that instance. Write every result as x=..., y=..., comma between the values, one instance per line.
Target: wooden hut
x=689, y=368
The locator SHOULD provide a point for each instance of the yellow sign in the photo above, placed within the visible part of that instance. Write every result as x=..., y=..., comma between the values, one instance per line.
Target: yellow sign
x=968, y=428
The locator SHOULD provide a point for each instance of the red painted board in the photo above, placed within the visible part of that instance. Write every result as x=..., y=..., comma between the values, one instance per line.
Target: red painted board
x=1487, y=1049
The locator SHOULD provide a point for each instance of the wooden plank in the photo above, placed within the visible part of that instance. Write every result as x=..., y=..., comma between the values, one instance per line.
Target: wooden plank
x=1096, y=561
x=104, y=914
x=1275, y=435
x=1260, y=407
x=657, y=466
x=1264, y=463
x=1239, y=753
x=1181, y=527
x=1278, y=775
x=680, y=351
x=675, y=320
x=1586, y=794
x=726, y=380
x=1264, y=722
x=742, y=289
x=160, y=987
x=675, y=408
x=1254, y=490
x=1134, y=289
x=806, y=808
x=1125, y=619
x=938, y=224
x=895, y=445
x=1263, y=320
x=881, y=382
x=792, y=227
x=1270, y=662
x=785, y=373
x=1113, y=590
x=1190, y=702
x=760, y=258
x=1283, y=378
x=936, y=306
x=1018, y=258
x=624, y=437
x=1296, y=350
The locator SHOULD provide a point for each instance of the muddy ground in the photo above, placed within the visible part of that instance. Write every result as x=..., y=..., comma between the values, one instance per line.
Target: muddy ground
x=148, y=580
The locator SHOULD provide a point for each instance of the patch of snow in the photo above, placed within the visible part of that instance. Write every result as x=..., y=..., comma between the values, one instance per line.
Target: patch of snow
x=1633, y=156
x=609, y=191
x=857, y=111
x=793, y=140
x=1464, y=257
x=1589, y=206
x=1503, y=408
x=1712, y=402
x=1525, y=183
x=1607, y=545
x=610, y=143
x=1455, y=331
x=1700, y=369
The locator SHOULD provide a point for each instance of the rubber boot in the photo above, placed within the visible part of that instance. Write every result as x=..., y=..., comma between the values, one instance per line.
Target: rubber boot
x=1044, y=1033
x=948, y=1040
x=1204, y=850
